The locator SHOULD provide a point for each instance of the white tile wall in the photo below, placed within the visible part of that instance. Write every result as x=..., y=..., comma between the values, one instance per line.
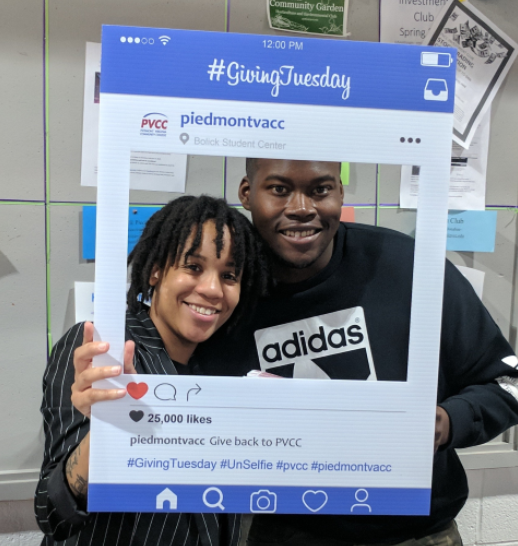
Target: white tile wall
x=499, y=518
x=17, y=524
x=468, y=520
x=31, y=538
x=490, y=516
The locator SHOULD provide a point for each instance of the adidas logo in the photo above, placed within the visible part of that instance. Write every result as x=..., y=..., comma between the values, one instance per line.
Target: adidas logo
x=315, y=347
x=298, y=345
x=511, y=361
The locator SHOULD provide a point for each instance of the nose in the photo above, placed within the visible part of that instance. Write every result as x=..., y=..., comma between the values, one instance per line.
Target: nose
x=209, y=285
x=300, y=207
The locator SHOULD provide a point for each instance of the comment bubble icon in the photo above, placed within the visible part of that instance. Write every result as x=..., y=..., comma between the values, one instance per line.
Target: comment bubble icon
x=165, y=391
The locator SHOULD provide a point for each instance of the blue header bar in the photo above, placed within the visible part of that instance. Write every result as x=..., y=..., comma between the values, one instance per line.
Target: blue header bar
x=257, y=68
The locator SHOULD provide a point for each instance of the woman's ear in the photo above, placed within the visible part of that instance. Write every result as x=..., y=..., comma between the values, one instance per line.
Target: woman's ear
x=156, y=273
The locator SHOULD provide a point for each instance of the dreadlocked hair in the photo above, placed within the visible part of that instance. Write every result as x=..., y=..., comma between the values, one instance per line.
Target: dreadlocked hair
x=163, y=240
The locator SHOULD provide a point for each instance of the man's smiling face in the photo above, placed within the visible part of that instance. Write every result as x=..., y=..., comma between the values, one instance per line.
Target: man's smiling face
x=296, y=207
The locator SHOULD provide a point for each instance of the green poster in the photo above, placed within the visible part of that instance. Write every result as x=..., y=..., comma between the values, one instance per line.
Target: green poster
x=309, y=16
x=344, y=173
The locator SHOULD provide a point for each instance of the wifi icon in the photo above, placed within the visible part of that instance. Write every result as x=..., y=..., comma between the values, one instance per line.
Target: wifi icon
x=164, y=39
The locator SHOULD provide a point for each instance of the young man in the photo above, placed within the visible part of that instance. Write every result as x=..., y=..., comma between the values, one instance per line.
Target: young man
x=322, y=267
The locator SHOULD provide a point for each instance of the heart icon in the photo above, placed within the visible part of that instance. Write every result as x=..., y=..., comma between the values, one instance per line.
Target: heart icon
x=137, y=390
x=314, y=500
x=136, y=415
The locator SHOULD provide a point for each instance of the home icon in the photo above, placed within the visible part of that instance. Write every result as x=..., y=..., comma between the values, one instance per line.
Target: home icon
x=166, y=496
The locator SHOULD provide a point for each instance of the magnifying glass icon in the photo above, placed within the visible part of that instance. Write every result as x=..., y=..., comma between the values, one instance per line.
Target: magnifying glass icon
x=219, y=500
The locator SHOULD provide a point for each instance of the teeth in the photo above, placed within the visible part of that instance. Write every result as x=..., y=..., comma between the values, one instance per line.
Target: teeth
x=299, y=234
x=202, y=310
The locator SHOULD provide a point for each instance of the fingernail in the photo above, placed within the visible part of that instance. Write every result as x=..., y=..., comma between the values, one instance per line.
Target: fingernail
x=121, y=392
x=103, y=346
x=115, y=369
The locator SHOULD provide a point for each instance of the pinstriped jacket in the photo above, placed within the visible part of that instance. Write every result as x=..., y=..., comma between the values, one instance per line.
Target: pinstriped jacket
x=57, y=512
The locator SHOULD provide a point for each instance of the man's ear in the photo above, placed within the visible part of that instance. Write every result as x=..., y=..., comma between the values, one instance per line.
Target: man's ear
x=244, y=192
x=156, y=273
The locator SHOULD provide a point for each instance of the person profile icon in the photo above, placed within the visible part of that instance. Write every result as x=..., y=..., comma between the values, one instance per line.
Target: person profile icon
x=361, y=496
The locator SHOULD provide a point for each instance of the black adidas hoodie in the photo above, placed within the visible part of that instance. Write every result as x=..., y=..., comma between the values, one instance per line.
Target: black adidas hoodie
x=372, y=268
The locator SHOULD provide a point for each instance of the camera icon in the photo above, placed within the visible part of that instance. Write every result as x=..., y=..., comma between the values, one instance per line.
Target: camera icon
x=263, y=501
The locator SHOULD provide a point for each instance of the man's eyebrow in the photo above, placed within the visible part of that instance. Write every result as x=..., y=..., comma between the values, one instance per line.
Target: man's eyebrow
x=278, y=177
x=325, y=178
x=287, y=180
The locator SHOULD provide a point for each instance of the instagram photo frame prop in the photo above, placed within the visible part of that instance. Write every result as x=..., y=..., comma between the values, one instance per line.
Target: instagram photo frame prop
x=194, y=92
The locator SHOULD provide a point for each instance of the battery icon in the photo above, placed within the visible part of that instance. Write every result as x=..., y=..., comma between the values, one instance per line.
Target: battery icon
x=430, y=58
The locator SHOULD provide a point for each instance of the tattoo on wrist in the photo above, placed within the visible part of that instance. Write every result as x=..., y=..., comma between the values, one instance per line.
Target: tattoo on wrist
x=72, y=462
x=79, y=488
x=77, y=483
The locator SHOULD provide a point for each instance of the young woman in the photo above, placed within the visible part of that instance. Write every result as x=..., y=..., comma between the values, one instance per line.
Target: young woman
x=199, y=264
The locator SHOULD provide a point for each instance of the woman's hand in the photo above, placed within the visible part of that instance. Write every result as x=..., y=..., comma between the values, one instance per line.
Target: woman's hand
x=83, y=395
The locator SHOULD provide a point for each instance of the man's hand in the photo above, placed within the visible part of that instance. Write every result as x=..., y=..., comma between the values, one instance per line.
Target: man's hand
x=442, y=428
x=83, y=396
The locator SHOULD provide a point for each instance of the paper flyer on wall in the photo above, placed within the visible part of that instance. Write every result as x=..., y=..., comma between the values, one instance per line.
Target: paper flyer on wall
x=91, y=99
x=327, y=17
x=485, y=55
x=137, y=219
x=208, y=444
x=84, y=299
x=149, y=170
x=472, y=230
x=408, y=22
x=467, y=174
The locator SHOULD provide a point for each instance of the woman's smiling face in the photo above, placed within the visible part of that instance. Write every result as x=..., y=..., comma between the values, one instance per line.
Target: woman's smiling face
x=193, y=298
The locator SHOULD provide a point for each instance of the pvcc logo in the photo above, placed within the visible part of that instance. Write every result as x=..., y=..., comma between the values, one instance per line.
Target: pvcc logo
x=154, y=124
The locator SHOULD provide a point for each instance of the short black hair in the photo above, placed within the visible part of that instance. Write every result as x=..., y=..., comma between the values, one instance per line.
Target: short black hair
x=163, y=240
x=252, y=166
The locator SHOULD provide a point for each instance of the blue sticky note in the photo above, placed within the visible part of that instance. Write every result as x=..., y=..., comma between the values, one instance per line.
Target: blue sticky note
x=471, y=230
x=89, y=215
x=138, y=216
